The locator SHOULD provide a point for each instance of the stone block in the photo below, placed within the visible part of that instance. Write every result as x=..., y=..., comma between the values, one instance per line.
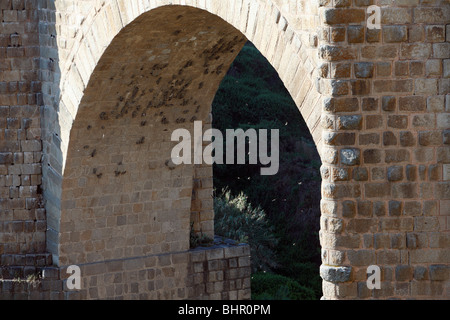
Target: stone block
x=369, y=139
x=389, y=138
x=373, y=121
x=337, y=34
x=412, y=103
x=433, y=67
x=395, y=208
x=337, y=53
x=371, y=156
x=340, y=174
x=341, y=104
x=407, y=139
x=397, y=121
x=401, y=68
x=360, y=87
x=360, y=174
x=364, y=208
x=348, y=209
x=430, y=138
x=341, y=70
x=431, y=15
x=335, y=274
x=342, y=15
x=426, y=86
x=405, y=190
x=355, y=34
x=396, y=15
x=441, y=50
x=373, y=35
x=415, y=51
x=417, y=68
x=395, y=173
x=377, y=190
x=379, y=208
x=350, y=157
x=339, y=138
x=364, y=69
x=420, y=273
x=383, y=69
x=353, y=122
x=369, y=104
x=395, y=34
x=395, y=156
x=403, y=273
x=360, y=226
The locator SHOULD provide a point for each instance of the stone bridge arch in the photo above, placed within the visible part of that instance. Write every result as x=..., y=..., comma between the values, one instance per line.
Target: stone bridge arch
x=119, y=199
x=180, y=66
x=375, y=101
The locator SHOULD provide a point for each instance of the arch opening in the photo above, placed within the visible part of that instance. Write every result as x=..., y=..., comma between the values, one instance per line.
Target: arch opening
x=278, y=215
x=122, y=196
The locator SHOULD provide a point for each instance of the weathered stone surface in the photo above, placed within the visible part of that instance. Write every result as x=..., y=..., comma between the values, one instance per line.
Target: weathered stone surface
x=339, y=16
x=350, y=157
x=335, y=274
x=388, y=103
x=369, y=104
x=360, y=174
x=395, y=173
x=341, y=104
x=364, y=69
x=439, y=272
x=412, y=103
x=349, y=122
x=81, y=116
x=407, y=139
x=389, y=138
x=395, y=208
x=395, y=34
x=369, y=138
x=372, y=156
x=339, y=139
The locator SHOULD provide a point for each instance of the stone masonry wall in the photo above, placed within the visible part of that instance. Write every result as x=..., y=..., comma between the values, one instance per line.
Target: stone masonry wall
x=218, y=272
x=386, y=119
x=22, y=213
x=84, y=171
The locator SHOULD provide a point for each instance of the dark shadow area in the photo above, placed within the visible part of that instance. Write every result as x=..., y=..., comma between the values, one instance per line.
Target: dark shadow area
x=278, y=215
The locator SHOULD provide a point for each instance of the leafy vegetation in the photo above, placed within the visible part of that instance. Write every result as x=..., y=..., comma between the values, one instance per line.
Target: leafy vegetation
x=269, y=286
x=199, y=240
x=283, y=208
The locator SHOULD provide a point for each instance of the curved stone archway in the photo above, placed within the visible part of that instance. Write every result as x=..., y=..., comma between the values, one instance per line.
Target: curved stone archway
x=119, y=199
x=179, y=57
x=375, y=101
x=117, y=161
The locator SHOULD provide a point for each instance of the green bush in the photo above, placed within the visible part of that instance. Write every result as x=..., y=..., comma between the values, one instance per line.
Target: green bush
x=235, y=218
x=269, y=286
x=305, y=273
x=199, y=239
